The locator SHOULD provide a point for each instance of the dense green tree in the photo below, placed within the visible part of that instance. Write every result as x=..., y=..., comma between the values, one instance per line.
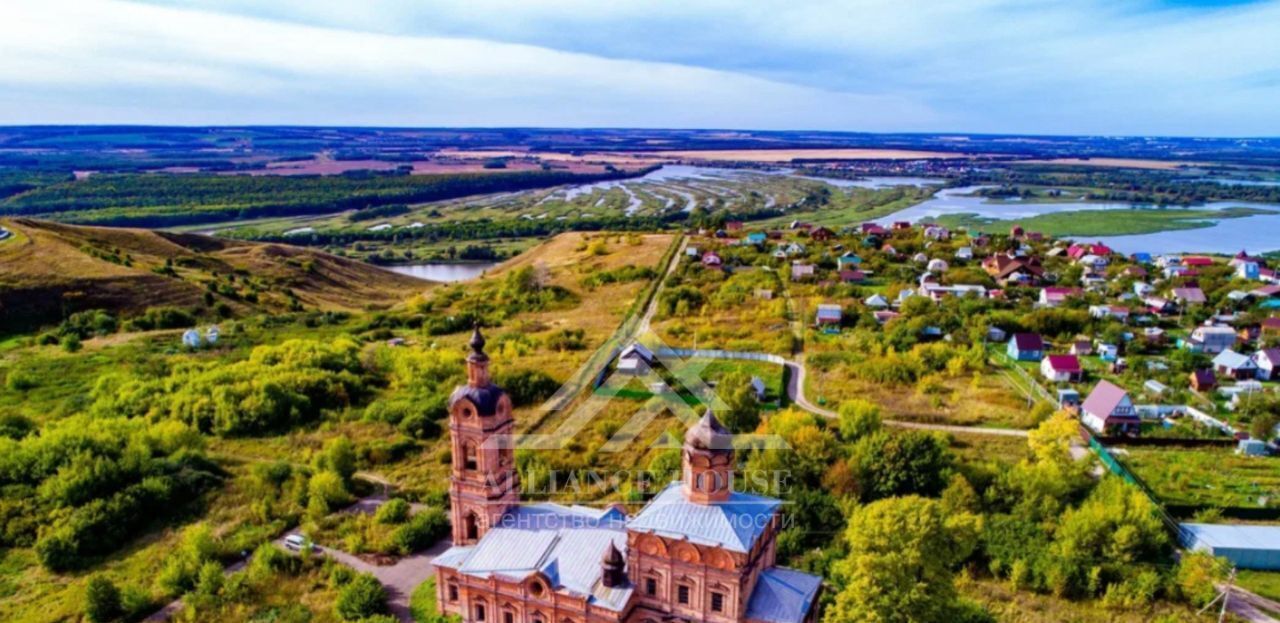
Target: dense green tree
x=361, y=598
x=901, y=463
x=900, y=568
x=102, y=600
x=858, y=418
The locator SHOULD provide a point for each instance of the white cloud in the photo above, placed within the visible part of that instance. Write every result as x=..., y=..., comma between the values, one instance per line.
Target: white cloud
x=1066, y=66
x=273, y=72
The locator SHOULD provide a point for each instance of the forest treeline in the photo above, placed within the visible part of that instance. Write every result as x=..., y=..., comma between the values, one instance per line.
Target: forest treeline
x=169, y=200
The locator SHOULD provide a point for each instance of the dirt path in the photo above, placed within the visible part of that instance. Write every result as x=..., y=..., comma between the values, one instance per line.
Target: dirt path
x=795, y=391
x=643, y=326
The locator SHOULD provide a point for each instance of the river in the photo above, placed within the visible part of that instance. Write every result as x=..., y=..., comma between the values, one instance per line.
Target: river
x=1258, y=234
x=443, y=272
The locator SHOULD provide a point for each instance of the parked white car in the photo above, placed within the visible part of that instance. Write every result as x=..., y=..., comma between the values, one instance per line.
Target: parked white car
x=298, y=543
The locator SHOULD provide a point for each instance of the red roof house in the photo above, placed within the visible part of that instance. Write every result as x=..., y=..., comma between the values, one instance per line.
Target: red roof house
x=1062, y=368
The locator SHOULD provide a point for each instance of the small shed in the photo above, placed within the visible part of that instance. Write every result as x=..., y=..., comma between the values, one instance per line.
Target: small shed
x=1252, y=447
x=191, y=338
x=828, y=315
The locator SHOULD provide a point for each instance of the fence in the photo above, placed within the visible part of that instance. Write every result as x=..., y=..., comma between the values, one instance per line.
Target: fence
x=703, y=353
x=1209, y=420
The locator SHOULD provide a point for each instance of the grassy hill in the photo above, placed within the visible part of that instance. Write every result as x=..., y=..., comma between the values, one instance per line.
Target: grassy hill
x=48, y=270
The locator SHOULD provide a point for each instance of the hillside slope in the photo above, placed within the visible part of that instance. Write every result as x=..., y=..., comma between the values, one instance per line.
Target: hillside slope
x=48, y=270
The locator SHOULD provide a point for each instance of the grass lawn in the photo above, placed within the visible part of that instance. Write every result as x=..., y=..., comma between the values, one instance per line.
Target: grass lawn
x=1010, y=606
x=1265, y=583
x=1104, y=222
x=1208, y=476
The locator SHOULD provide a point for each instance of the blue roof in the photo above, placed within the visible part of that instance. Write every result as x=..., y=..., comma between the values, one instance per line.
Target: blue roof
x=782, y=596
x=734, y=524
x=1247, y=547
x=564, y=543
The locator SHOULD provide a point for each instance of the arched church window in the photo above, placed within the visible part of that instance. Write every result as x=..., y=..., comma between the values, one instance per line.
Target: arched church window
x=469, y=460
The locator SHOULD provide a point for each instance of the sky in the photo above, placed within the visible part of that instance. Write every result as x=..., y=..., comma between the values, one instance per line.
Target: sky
x=1104, y=67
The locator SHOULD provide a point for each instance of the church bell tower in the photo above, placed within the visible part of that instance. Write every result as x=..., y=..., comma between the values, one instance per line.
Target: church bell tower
x=484, y=482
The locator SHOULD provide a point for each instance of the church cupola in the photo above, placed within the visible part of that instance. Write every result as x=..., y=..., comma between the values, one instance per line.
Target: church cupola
x=708, y=461
x=613, y=568
x=477, y=361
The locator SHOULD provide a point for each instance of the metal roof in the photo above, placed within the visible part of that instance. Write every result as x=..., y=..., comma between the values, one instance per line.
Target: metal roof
x=734, y=524
x=782, y=596
x=1247, y=547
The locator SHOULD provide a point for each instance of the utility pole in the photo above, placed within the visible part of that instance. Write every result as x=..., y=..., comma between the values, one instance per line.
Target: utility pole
x=1226, y=595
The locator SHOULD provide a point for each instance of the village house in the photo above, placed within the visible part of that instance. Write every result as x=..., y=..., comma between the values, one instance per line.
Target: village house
x=1007, y=269
x=873, y=229
x=1203, y=380
x=1247, y=269
x=936, y=266
x=964, y=253
x=821, y=234
x=1077, y=251
x=936, y=232
x=1061, y=369
x=1266, y=291
x=1268, y=362
x=828, y=315
x=801, y=271
x=1025, y=347
x=1109, y=411
x=1109, y=311
x=711, y=259
x=698, y=551
x=852, y=276
x=1081, y=348
x=1108, y=352
x=848, y=259
x=1137, y=272
x=1210, y=339
x=757, y=238
x=885, y=315
x=937, y=292
x=876, y=301
x=1197, y=261
x=635, y=360
x=1188, y=296
x=1231, y=364
x=1054, y=296
x=1159, y=306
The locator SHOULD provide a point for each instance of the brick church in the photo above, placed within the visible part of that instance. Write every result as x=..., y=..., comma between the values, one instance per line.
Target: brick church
x=699, y=551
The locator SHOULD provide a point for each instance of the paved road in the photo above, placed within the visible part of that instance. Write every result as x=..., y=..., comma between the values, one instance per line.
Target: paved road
x=1251, y=607
x=399, y=579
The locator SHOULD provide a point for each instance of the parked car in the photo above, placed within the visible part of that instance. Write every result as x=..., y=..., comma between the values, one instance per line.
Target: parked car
x=298, y=543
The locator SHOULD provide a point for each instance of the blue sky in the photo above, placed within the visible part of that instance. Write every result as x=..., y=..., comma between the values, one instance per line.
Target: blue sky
x=1183, y=67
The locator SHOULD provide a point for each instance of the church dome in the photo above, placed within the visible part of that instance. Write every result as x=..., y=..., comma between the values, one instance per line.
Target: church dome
x=709, y=434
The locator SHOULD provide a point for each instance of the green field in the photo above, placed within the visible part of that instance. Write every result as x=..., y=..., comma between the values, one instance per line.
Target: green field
x=1206, y=476
x=1103, y=222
